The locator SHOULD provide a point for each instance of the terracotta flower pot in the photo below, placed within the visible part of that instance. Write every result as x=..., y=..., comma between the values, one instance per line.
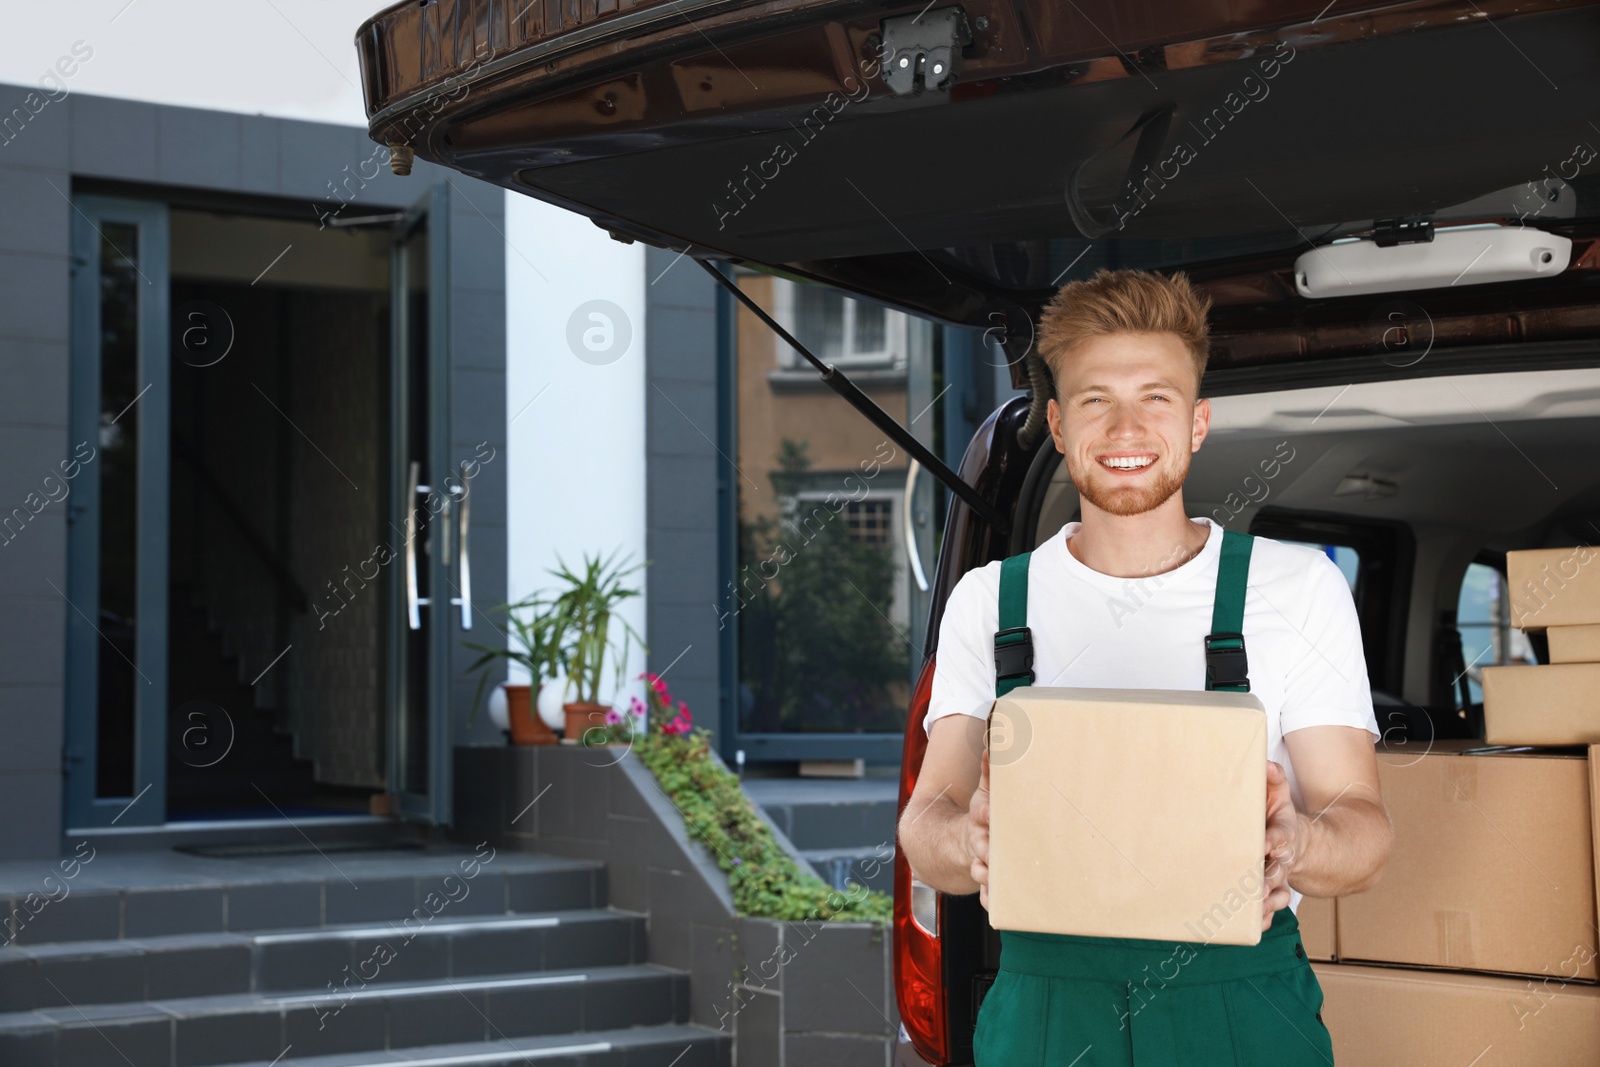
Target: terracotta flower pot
x=527, y=728
x=581, y=717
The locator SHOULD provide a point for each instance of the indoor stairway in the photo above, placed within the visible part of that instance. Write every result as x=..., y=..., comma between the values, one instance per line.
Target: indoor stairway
x=224, y=745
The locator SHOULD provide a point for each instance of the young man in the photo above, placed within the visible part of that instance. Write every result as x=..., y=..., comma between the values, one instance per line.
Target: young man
x=1127, y=350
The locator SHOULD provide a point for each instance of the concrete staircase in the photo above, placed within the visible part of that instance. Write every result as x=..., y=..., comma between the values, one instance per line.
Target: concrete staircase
x=839, y=825
x=348, y=958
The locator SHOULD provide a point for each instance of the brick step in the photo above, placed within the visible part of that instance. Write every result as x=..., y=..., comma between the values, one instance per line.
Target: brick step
x=237, y=1028
x=428, y=949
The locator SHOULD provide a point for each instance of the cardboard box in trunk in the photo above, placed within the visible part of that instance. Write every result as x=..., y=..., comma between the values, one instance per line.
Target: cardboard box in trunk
x=1492, y=867
x=1128, y=813
x=1594, y=816
x=1574, y=644
x=1554, y=587
x=1542, y=704
x=1318, y=918
x=1383, y=1017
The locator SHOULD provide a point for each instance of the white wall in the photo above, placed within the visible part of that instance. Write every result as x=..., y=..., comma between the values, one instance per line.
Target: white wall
x=576, y=473
x=576, y=454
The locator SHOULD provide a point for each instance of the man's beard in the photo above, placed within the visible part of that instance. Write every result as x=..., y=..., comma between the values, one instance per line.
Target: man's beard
x=1129, y=499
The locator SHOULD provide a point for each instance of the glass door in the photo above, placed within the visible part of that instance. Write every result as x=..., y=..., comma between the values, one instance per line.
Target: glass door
x=424, y=507
x=116, y=685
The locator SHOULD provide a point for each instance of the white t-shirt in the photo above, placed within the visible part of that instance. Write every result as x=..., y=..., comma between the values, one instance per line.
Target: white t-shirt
x=1301, y=635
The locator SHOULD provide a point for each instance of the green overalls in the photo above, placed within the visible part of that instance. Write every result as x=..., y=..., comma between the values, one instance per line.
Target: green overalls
x=1067, y=1001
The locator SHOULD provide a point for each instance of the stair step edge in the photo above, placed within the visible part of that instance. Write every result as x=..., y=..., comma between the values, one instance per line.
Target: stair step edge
x=250, y=1003
x=129, y=946
x=515, y=1050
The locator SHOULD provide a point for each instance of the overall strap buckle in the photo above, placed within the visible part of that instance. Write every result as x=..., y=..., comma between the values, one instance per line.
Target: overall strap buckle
x=1013, y=654
x=1227, y=667
x=1013, y=641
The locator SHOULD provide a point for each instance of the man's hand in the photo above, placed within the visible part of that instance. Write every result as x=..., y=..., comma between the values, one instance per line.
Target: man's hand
x=936, y=829
x=1283, y=842
x=978, y=830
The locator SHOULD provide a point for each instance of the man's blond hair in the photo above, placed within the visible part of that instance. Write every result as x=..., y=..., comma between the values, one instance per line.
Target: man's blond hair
x=1124, y=301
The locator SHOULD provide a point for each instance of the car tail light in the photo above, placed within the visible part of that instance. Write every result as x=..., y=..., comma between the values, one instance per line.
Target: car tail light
x=918, y=955
x=925, y=907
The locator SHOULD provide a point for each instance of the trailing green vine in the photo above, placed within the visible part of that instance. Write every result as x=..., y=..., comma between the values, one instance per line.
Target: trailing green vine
x=765, y=880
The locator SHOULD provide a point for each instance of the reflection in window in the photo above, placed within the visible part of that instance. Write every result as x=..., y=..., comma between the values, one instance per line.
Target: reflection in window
x=116, y=688
x=868, y=520
x=1483, y=615
x=868, y=328
x=822, y=595
x=838, y=329
x=817, y=651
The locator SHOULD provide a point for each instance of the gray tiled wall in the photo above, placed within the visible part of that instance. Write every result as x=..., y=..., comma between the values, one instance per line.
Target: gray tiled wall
x=157, y=147
x=774, y=986
x=684, y=476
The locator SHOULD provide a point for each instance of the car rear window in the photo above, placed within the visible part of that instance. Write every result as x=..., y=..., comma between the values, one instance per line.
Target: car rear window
x=1483, y=615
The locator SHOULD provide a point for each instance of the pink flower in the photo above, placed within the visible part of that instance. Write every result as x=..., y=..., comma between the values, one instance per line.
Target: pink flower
x=638, y=707
x=612, y=718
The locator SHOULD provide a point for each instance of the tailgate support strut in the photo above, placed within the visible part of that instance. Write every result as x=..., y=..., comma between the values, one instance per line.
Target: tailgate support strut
x=836, y=380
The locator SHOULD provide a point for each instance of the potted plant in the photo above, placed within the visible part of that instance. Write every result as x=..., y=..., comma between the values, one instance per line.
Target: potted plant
x=583, y=613
x=533, y=641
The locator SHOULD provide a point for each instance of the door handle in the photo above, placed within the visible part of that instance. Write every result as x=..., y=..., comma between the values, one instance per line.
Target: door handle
x=465, y=520
x=413, y=602
x=909, y=529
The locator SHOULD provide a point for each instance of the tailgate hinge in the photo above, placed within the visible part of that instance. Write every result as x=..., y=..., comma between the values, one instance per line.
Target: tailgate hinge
x=923, y=51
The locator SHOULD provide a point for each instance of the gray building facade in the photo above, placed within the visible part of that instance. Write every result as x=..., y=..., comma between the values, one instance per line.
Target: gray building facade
x=284, y=409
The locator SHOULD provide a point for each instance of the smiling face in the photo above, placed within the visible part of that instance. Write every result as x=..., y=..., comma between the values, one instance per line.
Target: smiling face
x=1126, y=418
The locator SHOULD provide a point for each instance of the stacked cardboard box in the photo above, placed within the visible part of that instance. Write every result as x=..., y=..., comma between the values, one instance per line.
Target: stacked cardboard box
x=1556, y=590
x=1386, y=1016
x=1482, y=931
x=1574, y=644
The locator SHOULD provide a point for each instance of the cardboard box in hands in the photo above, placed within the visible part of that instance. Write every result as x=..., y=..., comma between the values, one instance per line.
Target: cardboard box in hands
x=1128, y=813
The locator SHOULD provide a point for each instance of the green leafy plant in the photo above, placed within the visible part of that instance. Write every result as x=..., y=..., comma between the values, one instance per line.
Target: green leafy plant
x=584, y=611
x=765, y=880
x=533, y=641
